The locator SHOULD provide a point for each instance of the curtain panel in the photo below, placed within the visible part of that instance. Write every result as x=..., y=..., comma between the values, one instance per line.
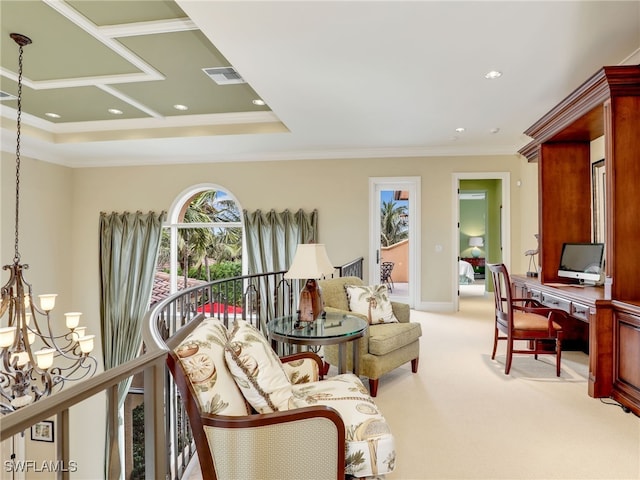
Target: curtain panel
x=272, y=237
x=271, y=241
x=129, y=245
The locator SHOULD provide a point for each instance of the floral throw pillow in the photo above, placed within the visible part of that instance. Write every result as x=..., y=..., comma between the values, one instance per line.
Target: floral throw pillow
x=202, y=357
x=372, y=301
x=257, y=369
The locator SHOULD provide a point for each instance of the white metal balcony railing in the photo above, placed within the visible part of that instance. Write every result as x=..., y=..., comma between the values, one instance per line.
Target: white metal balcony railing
x=168, y=443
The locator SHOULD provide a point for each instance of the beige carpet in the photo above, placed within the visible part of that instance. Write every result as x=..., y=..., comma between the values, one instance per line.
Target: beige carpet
x=460, y=417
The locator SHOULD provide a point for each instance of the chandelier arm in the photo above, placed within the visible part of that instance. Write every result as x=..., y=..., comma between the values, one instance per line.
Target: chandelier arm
x=48, y=381
x=75, y=357
x=7, y=375
x=85, y=368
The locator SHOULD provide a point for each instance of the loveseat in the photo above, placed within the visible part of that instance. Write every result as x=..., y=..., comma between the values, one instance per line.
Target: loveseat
x=257, y=416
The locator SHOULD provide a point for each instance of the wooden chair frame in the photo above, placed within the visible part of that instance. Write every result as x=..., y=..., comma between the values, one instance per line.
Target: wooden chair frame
x=524, y=319
x=199, y=421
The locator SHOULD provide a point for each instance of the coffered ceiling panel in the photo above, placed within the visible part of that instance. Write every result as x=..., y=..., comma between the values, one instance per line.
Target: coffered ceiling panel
x=337, y=79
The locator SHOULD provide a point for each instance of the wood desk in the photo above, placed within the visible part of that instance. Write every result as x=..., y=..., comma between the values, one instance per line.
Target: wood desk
x=590, y=327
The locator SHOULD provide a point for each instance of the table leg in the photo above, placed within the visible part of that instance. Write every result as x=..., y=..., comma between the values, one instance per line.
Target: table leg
x=342, y=358
x=356, y=357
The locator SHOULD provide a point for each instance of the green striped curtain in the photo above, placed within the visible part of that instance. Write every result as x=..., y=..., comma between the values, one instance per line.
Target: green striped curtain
x=271, y=241
x=129, y=245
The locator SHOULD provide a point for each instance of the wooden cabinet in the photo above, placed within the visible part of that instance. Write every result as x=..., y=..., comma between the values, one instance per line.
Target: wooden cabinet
x=606, y=105
x=626, y=355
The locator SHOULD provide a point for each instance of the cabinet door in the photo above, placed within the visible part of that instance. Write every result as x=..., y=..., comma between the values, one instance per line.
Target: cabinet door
x=627, y=354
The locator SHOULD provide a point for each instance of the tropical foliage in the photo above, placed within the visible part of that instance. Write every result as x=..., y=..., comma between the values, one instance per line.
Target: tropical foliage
x=393, y=223
x=211, y=252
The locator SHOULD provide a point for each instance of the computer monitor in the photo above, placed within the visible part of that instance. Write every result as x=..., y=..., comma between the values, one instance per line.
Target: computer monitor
x=583, y=262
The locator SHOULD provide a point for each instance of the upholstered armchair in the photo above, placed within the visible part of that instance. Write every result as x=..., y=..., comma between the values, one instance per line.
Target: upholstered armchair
x=257, y=416
x=384, y=347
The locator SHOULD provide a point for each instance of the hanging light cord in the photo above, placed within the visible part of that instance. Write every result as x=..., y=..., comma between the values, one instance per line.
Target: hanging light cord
x=21, y=40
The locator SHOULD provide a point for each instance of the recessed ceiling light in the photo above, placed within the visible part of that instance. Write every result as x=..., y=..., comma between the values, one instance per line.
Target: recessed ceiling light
x=52, y=115
x=493, y=74
x=115, y=111
x=180, y=107
x=258, y=102
x=460, y=129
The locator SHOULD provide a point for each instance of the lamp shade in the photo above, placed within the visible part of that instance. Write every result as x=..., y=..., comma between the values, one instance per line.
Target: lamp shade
x=310, y=261
x=476, y=241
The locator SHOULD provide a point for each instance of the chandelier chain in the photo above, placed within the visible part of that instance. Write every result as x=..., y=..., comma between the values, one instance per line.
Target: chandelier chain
x=16, y=257
x=27, y=374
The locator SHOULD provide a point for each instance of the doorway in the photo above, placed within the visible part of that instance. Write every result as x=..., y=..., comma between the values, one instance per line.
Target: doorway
x=394, y=235
x=487, y=238
x=473, y=237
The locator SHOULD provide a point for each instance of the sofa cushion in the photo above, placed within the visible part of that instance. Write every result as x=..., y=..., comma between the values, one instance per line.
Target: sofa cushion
x=201, y=355
x=257, y=369
x=370, y=444
x=372, y=301
x=390, y=337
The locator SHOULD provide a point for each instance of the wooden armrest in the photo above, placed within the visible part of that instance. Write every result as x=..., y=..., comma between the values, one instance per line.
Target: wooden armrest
x=303, y=372
x=301, y=355
x=260, y=419
x=542, y=310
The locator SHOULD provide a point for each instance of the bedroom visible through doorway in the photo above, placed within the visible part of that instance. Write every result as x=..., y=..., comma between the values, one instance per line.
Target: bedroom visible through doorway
x=481, y=230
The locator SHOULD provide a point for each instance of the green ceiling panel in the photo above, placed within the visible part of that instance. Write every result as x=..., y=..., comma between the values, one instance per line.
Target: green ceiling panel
x=57, y=45
x=103, y=13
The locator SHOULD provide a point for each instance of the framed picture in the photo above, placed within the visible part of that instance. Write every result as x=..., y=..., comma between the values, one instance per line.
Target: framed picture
x=42, y=431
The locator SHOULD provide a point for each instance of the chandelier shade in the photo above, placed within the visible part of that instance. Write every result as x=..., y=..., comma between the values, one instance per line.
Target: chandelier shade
x=36, y=359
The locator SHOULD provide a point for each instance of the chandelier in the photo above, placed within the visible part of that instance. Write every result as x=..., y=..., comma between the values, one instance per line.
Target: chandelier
x=35, y=361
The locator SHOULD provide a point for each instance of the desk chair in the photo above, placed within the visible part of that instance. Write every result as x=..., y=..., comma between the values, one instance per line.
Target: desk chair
x=523, y=319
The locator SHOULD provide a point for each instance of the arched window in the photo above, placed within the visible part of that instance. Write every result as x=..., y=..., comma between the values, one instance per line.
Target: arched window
x=202, y=240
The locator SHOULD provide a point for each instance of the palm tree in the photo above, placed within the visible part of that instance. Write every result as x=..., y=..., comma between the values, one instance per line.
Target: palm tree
x=197, y=246
x=393, y=225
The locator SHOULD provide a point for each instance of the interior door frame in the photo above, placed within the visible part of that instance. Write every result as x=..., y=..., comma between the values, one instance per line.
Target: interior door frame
x=505, y=222
x=413, y=186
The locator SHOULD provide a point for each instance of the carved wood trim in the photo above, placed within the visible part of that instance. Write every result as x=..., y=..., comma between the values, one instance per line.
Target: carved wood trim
x=579, y=117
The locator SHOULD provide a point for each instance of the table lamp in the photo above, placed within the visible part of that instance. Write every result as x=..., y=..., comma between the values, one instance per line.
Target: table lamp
x=310, y=263
x=475, y=242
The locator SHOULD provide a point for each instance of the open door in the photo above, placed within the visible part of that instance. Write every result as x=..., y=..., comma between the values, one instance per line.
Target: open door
x=394, y=236
x=493, y=233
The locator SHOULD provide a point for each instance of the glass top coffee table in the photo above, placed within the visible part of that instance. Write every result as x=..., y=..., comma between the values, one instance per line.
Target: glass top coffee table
x=331, y=329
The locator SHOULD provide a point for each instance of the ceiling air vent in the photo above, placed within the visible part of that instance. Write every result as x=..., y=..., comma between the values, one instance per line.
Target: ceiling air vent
x=224, y=75
x=6, y=96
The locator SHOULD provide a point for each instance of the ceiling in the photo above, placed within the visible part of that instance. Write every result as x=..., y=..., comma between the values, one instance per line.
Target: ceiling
x=339, y=79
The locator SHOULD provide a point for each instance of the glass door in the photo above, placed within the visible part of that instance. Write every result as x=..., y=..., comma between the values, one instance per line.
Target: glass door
x=393, y=231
